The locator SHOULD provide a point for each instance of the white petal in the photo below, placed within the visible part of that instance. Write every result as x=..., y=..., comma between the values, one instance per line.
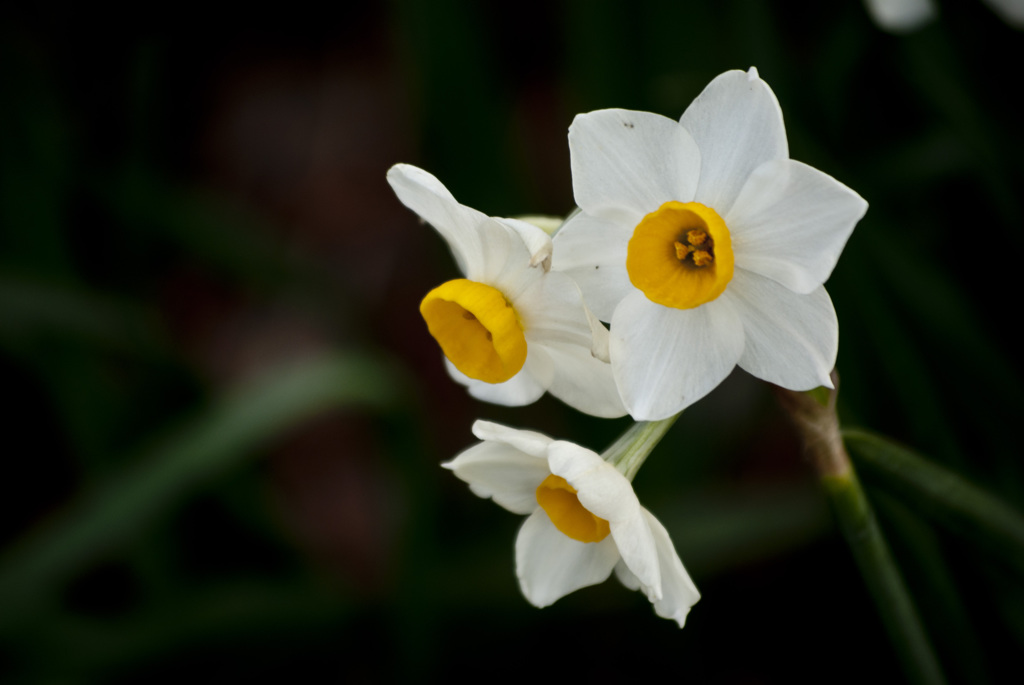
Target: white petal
x=606, y=493
x=501, y=472
x=790, y=223
x=678, y=591
x=593, y=253
x=599, y=345
x=551, y=310
x=537, y=241
x=584, y=382
x=737, y=124
x=602, y=490
x=626, y=164
x=556, y=323
x=532, y=443
x=636, y=545
x=506, y=260
x=666, y=359
x=548, y=224
x=791, y=339
x=524, y=388
x=550, y=565
x=626, y=577
x=424, y=194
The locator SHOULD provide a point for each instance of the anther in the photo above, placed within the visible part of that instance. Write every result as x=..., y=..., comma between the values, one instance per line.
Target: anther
x=696, y=237
x=702, y=257
x=682, y=250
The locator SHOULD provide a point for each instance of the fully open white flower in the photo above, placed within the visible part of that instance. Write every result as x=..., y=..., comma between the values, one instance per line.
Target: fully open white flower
x=510, y=329
x=705, y=246
x=584, y=519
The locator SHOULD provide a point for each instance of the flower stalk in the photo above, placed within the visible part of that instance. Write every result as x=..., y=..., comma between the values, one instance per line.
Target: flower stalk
x=814, y=415
x=628, y=453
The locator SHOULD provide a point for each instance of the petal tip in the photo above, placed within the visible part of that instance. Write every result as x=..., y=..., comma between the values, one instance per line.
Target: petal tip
x=485, y=430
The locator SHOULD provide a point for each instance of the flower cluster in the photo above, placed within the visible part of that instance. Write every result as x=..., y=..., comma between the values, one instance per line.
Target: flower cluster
x=703, y=245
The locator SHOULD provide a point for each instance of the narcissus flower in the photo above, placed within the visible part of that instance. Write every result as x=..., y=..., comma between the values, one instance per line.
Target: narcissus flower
x=584, y=520
x=705, y=246
x=510, y=329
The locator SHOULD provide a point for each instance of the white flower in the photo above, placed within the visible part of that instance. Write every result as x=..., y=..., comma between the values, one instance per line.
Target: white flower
x=584, y=519
x=705, y=246
x=510, y=329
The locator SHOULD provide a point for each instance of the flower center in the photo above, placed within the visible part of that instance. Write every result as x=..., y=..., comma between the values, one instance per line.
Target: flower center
x=680, y=255
x=477, y=329
x=563, y=507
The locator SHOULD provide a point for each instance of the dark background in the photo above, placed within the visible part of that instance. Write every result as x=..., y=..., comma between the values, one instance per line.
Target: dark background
x=225, y=417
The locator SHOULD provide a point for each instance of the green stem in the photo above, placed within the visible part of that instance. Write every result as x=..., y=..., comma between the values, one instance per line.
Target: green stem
x=814, y=415
x=629, y=452
x=882, y=577
x=964, y=508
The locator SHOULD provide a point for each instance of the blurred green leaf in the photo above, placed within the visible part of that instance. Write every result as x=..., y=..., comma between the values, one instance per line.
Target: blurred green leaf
x=37, y=161
x=928, y=573
x=717, y=529
x=30, y=308
x=897, y=358
x=965, y=508
x=214, y=616
x=235, y=240
x=195, y=453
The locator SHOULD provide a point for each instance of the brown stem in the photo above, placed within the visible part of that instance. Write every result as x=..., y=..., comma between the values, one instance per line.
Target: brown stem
x=814, y=414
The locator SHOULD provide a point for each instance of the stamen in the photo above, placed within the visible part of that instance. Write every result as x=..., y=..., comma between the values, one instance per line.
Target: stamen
x=682, y=250
x=702, y=257
x=696, y=237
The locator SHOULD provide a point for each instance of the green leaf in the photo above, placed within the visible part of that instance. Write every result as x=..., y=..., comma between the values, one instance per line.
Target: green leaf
x=195, y=453
x=31, y=308
x=963, y=507
x=921, y=557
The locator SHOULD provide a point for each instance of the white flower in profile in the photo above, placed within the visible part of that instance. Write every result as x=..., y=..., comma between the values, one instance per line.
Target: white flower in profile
x=584, y=520
x=705, y=246
x=510, y=329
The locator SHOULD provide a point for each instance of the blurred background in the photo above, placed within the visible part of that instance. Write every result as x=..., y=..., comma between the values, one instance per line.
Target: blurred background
x=225, y=415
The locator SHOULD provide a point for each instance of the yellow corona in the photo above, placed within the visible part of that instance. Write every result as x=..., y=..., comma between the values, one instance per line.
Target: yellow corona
x=477, y=329
x=563, y=507
x=680, y=255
